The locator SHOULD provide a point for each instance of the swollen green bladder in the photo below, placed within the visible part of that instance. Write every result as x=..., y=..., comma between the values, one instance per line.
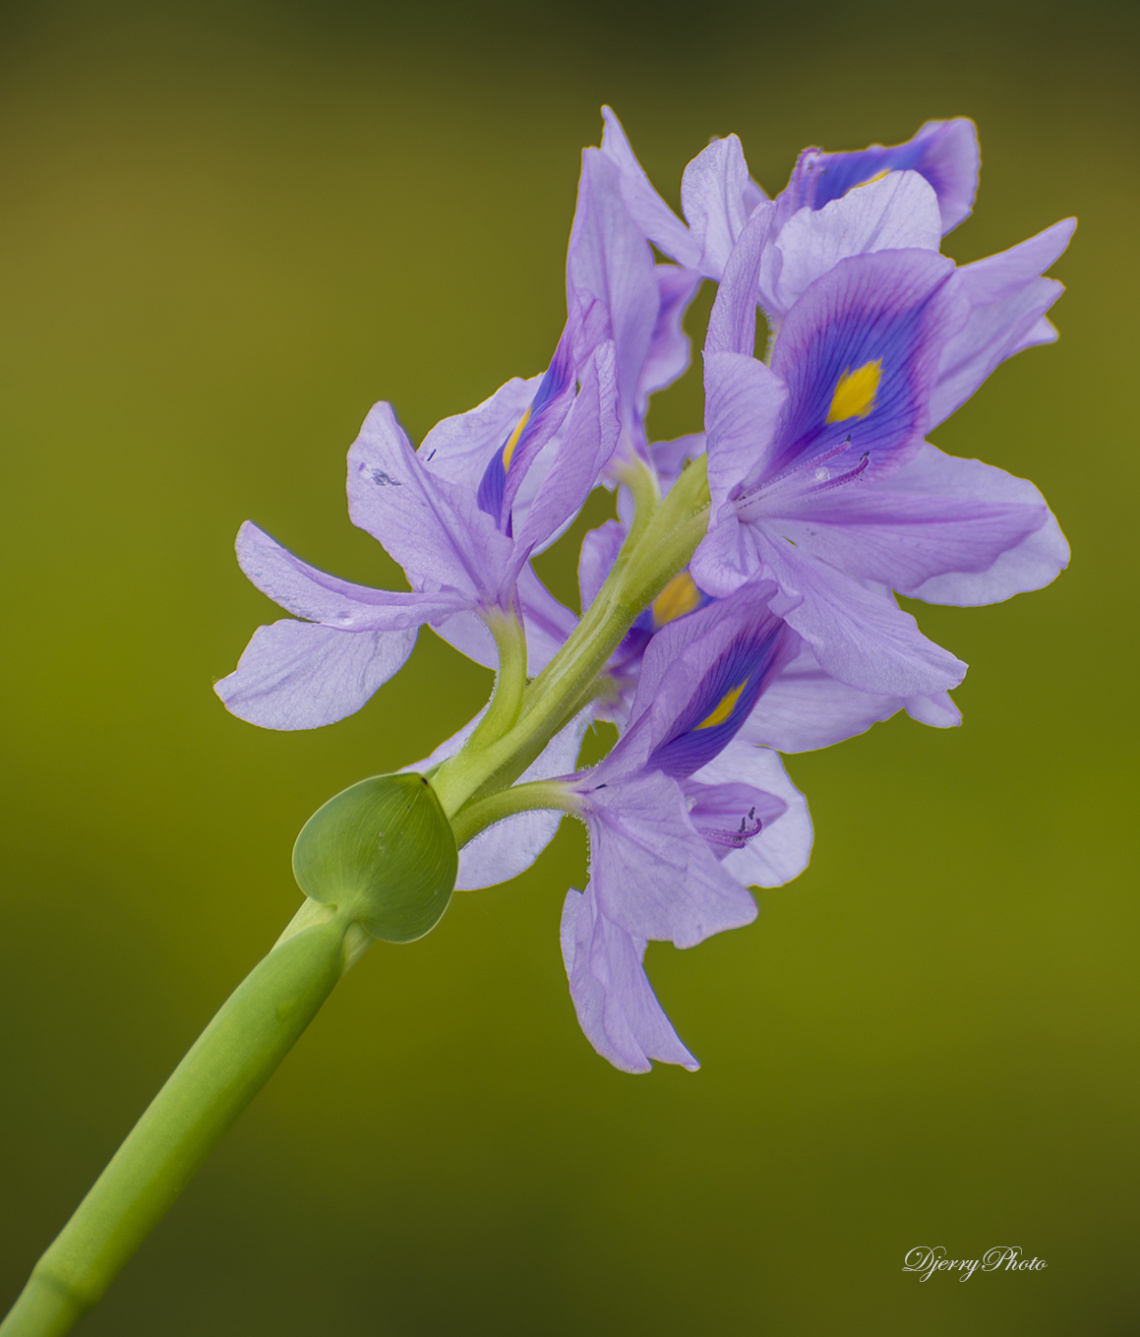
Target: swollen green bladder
x=382, y=851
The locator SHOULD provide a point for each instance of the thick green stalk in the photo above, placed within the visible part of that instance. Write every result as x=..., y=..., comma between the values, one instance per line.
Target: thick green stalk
x=228, y=1065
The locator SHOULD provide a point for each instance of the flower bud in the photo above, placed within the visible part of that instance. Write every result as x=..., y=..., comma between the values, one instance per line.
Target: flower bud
x=384, y=852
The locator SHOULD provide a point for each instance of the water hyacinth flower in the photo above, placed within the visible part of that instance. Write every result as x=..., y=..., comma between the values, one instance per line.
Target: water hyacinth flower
x=790, y=705
x=486, y=490
x=673, y=848
x=838, y=205
x=887, y=338
x=692, y=806
x=820, y=476
x=711, y=784
x=742, y=603
x=297, y=675
x=825, y=500
x=718, y=196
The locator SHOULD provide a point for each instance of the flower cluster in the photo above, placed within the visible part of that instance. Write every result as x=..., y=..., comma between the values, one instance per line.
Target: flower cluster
x=742, y=602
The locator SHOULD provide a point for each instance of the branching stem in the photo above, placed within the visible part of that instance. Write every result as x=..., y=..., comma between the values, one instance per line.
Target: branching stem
x=662, y=540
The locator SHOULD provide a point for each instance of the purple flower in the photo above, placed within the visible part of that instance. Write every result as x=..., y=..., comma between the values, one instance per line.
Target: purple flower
x=803, y=708
x=718, y=196
x=783, y=633
x=456, y=555
x=671, y=834
x=819, y=474
x=693, y=805
x=1007, y=296
x=839, y=205
x=486, y=490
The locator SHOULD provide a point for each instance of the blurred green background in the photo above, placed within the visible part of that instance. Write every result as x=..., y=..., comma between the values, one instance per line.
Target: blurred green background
x=227, y=230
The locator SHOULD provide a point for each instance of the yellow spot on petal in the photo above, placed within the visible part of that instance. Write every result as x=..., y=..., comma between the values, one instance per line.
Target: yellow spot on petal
x=513, y=440
x=870, y=181
x=724, y=709
x=679, y=597
x=855, y=394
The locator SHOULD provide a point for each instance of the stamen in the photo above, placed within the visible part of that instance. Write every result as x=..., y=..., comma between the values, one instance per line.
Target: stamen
x=795, y=471
x=828, y=484
x=797, y=466
x=749, y=828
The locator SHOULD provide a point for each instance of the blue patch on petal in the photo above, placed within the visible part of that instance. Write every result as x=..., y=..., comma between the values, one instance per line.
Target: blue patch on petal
x=492, y=486
x=864, y=344
x=512, y=458
x=557, y=379
x=944, y=152
x=723, y=701
x=832, y=175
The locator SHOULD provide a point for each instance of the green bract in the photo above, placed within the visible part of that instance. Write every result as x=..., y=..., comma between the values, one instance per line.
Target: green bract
x=383, y=851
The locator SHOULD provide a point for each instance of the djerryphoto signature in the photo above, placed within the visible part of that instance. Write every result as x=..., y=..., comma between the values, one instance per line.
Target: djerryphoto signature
x=1003, y=1257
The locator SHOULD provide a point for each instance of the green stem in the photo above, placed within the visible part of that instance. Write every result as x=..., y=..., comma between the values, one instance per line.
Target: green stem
x=485, y=812
x=228, y=1065
x=665, y=543
x=510, y=681
x=642, y=483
